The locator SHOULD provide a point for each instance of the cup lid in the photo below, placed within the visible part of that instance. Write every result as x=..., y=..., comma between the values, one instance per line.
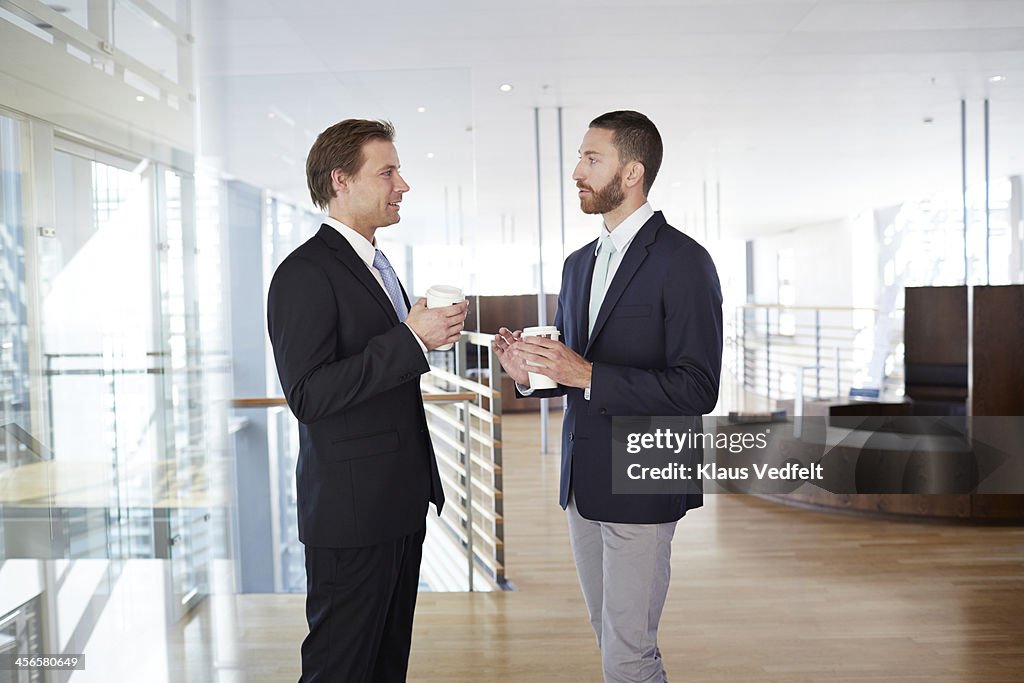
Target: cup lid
x=445, y=290
x=539, y=330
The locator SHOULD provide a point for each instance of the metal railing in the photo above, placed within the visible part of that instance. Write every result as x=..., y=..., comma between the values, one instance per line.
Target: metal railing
x=464, y=418
x=785, y=352
x=467, y=444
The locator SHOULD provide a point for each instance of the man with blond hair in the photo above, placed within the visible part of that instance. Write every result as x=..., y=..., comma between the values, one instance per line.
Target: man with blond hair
x=349, y=350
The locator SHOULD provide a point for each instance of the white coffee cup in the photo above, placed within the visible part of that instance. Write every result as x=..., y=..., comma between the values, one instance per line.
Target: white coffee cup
x=444, y=295
x=538, y=381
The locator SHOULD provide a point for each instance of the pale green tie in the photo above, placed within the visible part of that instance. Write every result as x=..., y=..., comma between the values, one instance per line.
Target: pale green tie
x=599, y=283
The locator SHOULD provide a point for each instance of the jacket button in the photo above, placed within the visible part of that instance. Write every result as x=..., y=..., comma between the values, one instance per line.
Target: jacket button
x=570, y=436
x=603, y=411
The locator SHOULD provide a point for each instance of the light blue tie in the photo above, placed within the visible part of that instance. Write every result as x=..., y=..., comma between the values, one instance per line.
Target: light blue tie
x=387, y=274
x=599, y=284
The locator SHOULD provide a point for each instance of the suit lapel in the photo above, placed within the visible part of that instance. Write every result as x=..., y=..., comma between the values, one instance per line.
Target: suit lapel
x=348, y=256
x=583, y=283
x=405, y=295
x=635, y=255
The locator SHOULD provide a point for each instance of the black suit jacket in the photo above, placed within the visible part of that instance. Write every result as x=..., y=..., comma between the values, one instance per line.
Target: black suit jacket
x=656, y=349
x=350, y=373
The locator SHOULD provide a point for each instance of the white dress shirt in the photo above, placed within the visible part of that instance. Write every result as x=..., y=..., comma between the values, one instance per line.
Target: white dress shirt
x=622, y=236
x=367, y=251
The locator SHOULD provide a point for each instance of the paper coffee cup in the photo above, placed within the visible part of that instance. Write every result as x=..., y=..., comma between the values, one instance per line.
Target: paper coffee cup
x=444, y=295
x=538, y=381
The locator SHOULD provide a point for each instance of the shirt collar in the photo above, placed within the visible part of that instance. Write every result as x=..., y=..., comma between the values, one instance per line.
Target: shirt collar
x=366, y=251
x=627, y=229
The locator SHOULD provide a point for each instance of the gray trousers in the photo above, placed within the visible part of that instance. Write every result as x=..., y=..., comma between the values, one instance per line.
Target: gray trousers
x=624, y=572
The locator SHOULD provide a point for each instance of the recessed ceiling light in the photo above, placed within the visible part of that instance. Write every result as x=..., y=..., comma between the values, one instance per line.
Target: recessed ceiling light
x=430, y=155
x=505, y=87
x=140, y=98
x=271, y=115
x=996, y=79
x=421, y=109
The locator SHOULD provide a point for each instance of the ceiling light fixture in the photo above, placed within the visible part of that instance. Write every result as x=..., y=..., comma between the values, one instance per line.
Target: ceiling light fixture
x=140, y=98
x=996, y=79
x=505, y=87
x=430, y=155
x=275, y=114
x=421, y=109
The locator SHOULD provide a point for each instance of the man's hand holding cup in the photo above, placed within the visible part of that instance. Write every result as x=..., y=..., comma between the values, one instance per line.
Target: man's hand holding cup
x=439, y=326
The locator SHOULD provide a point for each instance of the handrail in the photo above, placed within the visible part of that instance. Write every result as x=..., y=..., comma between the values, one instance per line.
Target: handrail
x=478, y=338
x=464, y=417
x=280, y=401
x=482, y=389
x=31, y=444
x=769, y=344
x=807, y=308
x=472, y=454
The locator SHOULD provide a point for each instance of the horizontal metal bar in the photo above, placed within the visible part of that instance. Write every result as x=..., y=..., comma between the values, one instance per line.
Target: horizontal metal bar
x=462, y=382
x=780, y=307
x=460, y=448
x=457, y=423
x=105, y=372
x=275, y=401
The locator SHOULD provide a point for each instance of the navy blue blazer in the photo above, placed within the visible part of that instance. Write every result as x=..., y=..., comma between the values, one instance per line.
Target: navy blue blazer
x=350, y=372
x=656, y=349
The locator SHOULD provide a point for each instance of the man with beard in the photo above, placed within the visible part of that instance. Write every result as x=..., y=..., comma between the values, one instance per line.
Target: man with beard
x=640, y=310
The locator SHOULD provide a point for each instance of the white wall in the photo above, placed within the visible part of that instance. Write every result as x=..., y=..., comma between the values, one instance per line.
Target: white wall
x=824, y=255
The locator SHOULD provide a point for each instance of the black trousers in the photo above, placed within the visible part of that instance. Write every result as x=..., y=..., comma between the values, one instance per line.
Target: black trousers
x=359, y=606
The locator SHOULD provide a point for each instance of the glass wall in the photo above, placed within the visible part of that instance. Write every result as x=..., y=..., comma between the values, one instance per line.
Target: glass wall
x=286, y=227
x=14, y=404
x=114, y=422
x=100, y=348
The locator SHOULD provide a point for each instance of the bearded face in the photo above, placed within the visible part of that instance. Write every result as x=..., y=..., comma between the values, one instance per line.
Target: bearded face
x=602, y=199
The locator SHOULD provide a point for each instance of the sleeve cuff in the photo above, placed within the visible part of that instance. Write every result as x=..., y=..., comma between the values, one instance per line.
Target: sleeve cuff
x=423, y=347
x=523, y=391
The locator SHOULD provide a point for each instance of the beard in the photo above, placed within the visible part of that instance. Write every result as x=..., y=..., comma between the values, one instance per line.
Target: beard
x=606, y=199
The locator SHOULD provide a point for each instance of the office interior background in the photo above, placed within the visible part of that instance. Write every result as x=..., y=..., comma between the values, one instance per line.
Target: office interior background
x=837, y=158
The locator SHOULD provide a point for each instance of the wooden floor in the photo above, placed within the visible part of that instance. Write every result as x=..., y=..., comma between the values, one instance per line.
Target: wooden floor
x=759, y=593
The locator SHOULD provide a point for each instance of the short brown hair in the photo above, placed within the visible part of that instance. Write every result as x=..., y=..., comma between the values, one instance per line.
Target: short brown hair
x=341, y=147
x=636, y=139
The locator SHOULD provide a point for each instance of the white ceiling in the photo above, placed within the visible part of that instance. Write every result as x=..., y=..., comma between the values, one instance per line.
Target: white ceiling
x=802, y=112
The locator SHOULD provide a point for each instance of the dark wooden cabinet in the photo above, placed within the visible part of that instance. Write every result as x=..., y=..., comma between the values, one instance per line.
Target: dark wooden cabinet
x=516, y=311
x=936, y=329
x=998, y=351
x=935, y=350
x=489, y=313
